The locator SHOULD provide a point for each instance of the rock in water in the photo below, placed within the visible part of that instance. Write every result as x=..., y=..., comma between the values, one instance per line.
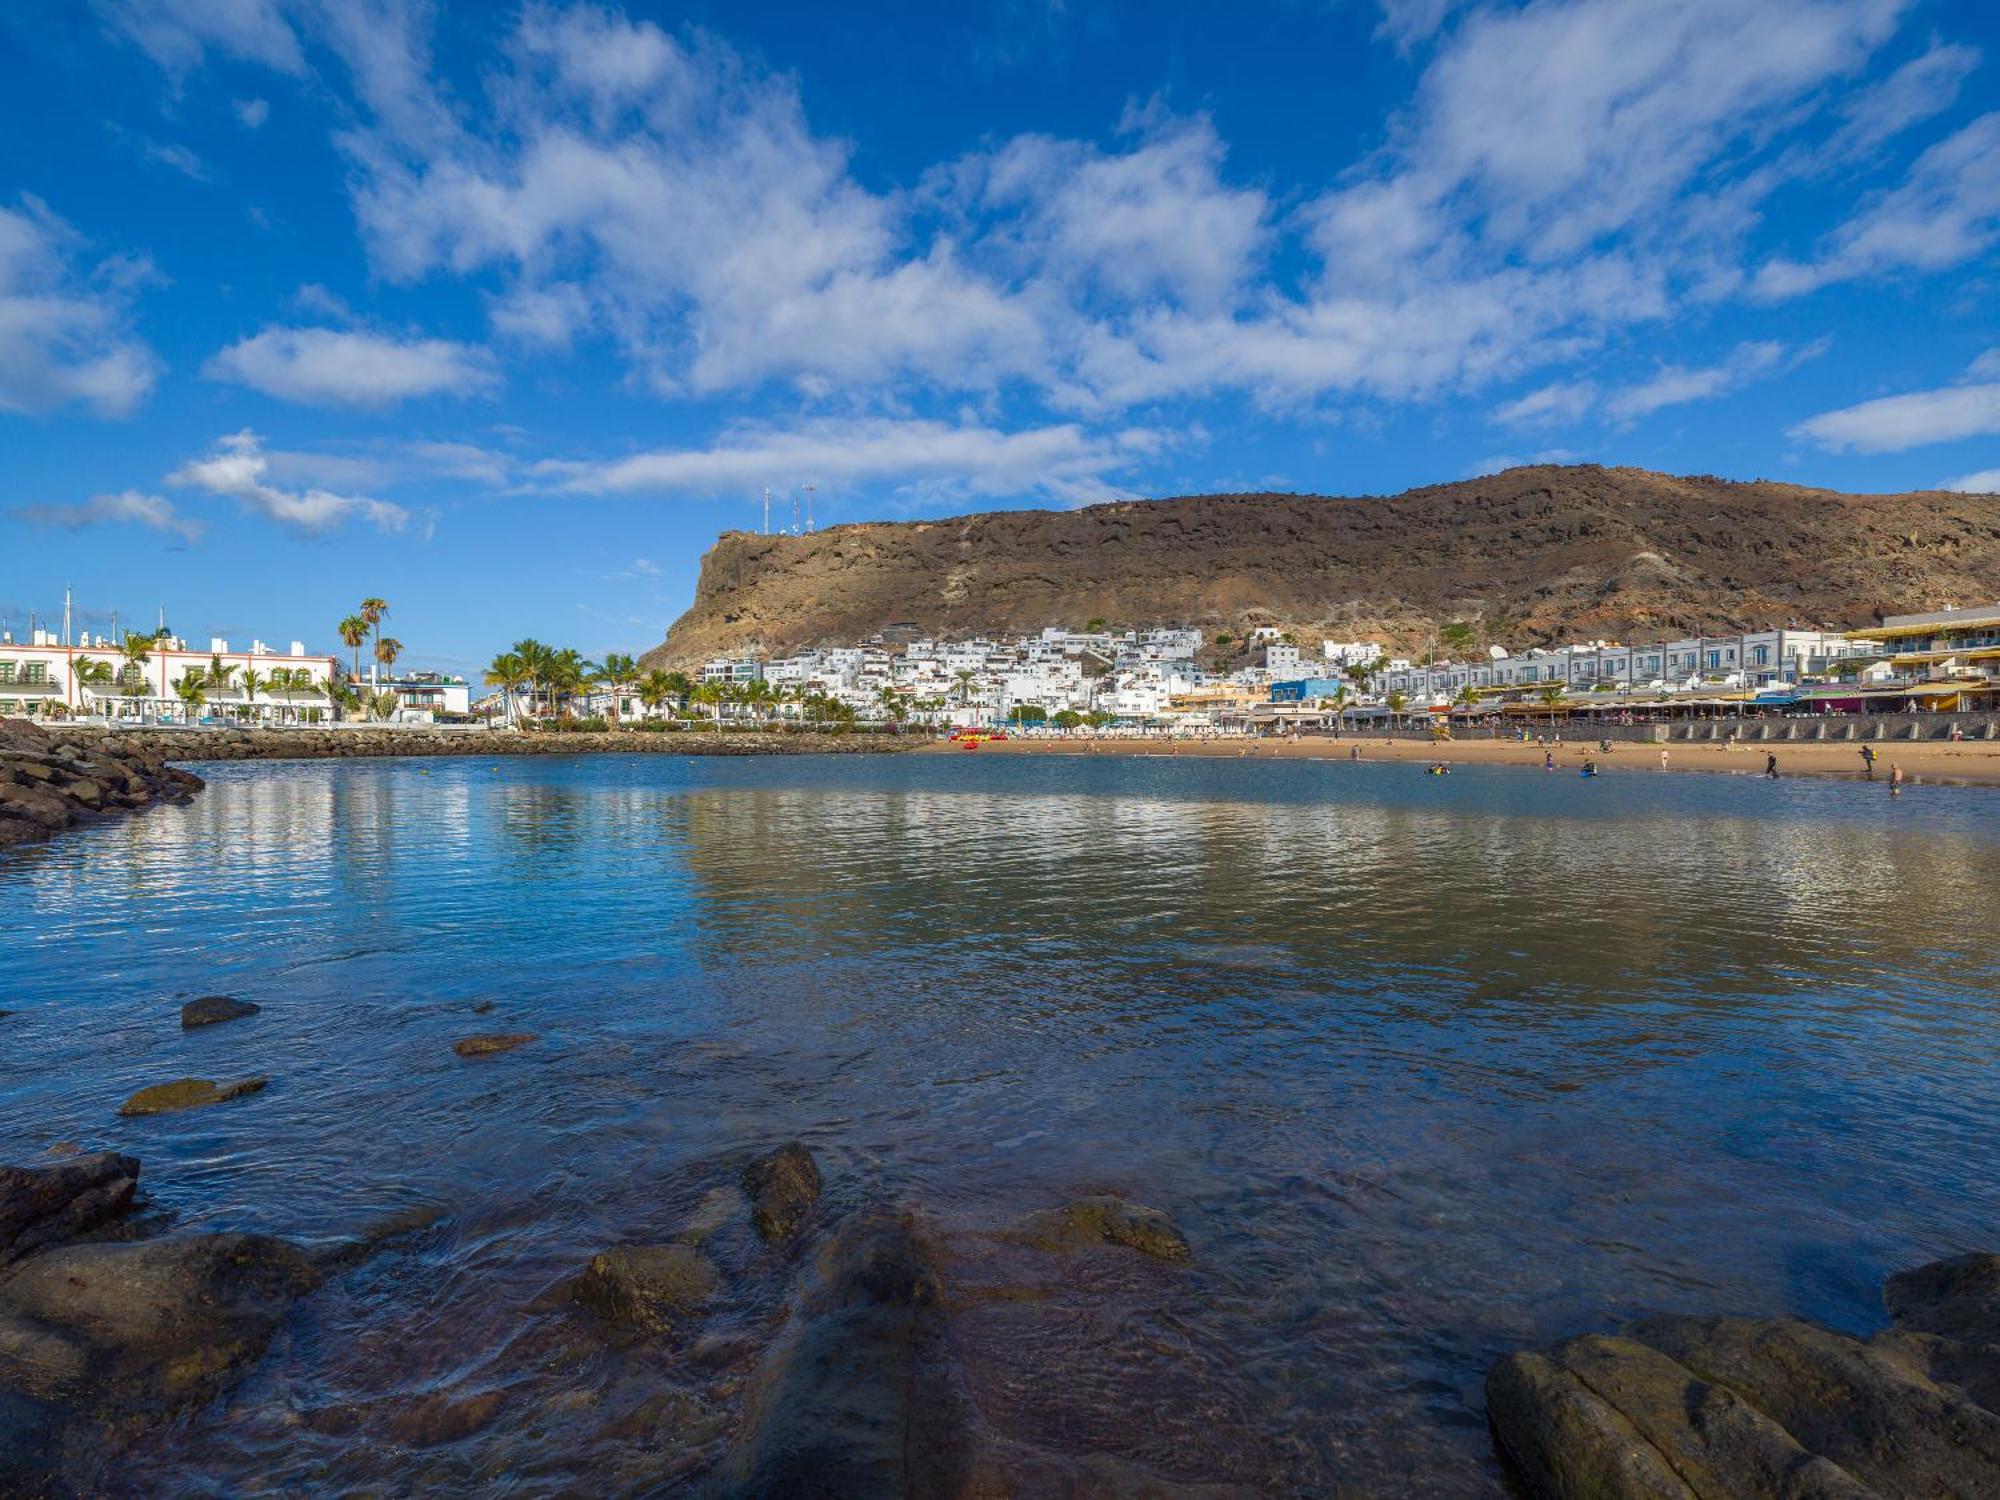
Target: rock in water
x=1109, y=1221
x=1768, y=1408
x=651, y=1288
x=211, y=1010
x=491, y=1042
x=41, y=1206
x=187, y=1093
x=783, y=1186
x=146, y=1327
x=859, y=1397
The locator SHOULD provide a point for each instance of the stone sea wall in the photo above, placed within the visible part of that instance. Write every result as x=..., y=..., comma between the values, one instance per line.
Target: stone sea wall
x=194, y=745
x=52, y=779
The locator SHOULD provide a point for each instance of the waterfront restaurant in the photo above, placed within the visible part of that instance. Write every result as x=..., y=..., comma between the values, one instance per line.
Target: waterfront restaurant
x=1948, y=659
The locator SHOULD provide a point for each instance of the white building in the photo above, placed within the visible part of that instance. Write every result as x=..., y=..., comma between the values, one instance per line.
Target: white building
x=44, y=678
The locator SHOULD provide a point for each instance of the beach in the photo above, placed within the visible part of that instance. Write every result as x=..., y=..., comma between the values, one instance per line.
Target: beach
x=1970, y=762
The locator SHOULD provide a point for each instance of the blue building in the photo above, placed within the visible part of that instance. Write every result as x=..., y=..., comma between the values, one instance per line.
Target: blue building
x=1304, y=688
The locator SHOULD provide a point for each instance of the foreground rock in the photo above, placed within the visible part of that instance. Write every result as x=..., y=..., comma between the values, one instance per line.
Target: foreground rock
x=647, y=1288
x=213, y=1010
x=188, y=1093
x=148, y=1327
x=783, y=1186
x=1105, y=1220
x=491, y=1042
x=1749, y=1408
x=43, y=1206
x=50, y=780
x=859, y=1396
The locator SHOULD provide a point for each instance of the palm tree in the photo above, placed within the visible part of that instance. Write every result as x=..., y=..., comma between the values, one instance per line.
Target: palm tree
x=353, y=631
x=616, y=672
x=372, y=611
x=655, y=688
x=509, y=674
x=137, y=650
x=565, y=675
x=387, y=649
x=535, y=660
x=964, y=679
x=709, y=694
x=188, y=688
x=252, y=680
x=1396, y=701
x=91, y=672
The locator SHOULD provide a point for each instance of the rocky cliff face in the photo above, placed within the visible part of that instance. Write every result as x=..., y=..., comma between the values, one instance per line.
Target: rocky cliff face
x=1530, y=555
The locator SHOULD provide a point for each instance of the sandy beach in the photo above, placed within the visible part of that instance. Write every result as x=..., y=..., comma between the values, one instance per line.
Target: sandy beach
x=1967, y=763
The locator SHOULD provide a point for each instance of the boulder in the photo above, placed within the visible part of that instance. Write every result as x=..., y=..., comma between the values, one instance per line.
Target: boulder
x=212, y=1010
x=859, y=1396
x=187, y=1093
x=648, y=1288
x=41, y=1206
x=1767, y=1408
x=1107, y=1220
x=783, y=1186
x=491, y=1042
x=147, y=1327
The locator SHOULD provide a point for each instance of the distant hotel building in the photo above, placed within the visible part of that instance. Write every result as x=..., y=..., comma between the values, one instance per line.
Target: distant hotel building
x=43, y=678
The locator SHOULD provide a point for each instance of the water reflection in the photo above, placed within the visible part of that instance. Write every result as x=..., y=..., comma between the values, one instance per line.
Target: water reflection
x=1424, y=1070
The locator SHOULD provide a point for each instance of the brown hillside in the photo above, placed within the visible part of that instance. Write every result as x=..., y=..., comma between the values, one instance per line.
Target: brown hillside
x=1531, y=555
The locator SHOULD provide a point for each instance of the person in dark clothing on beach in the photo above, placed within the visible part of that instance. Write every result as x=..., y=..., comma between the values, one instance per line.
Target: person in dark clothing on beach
x=1771, y=765
x=1868, y=761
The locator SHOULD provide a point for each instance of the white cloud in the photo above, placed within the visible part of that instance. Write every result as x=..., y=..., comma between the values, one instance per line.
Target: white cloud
x=238, y=469
x=1925, y=86
x=127, y=506
x=177, y=34
x=1499, y=463
x=1894, y=423
x=63, y=333
x=1676, y=385
x=1407, y=22
x=1564, y=401
x=924, y=457
x=1985, y=482
x=253, y=112
x=1945, y=212
x=333, y=367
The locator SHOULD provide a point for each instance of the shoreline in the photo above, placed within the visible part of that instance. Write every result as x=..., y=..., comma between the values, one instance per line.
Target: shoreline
x=193, y=747
x=1929, y=763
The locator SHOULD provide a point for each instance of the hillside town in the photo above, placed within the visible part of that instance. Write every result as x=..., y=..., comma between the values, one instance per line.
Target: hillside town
x=1165, y=680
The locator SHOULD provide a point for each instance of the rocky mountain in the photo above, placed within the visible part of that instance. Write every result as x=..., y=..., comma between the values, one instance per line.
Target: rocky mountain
x=1526, y=556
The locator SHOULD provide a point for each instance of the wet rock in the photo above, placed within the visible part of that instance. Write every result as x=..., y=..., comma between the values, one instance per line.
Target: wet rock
x=491, y=1042
x=42, y=1206
x=212, y=1010
x=483, y=1007
x=1957, y=1298
x=1767, y=1407
x=146, y=1327
x=648, y=1288
x=1107, y=1220
x=783, y=1186
x=859, y=1396
x=188, y=1093
x=35, y=1439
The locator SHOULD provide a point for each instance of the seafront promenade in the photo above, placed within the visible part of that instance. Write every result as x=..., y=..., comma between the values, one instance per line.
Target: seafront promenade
x=1975, y=762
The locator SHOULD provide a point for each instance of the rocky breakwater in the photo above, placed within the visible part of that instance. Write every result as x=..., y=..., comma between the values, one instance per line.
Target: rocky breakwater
x=193, y=745
x=52, y=779
x=1682, y=1408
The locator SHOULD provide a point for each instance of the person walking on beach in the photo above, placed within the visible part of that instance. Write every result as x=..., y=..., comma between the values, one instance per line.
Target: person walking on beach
x=1354, y=753
x=1771, y=766
x=1868, y=761
x=1663, y=760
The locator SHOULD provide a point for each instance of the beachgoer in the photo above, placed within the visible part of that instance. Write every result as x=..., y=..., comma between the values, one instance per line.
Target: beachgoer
x=1589, y=767
x=1548, y=760
x=1663, y=760
x=1771, y=766
x=1354, y=753
x=1868, y=761
x=1895, y=780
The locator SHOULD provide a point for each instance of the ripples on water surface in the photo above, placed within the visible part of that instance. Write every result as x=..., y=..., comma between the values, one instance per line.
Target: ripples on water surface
x=1425, y=1069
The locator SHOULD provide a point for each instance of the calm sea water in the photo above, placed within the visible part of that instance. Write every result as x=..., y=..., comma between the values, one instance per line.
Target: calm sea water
x=1425, y=1068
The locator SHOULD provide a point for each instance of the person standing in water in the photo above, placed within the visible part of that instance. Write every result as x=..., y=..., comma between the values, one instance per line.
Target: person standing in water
x=1663, y=760
x=1895, y=780
x=1771, y=765
x=1548, y=760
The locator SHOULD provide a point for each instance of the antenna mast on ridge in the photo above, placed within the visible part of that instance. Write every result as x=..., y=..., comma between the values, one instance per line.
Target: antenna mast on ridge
x=767, y=510
x=810, y=487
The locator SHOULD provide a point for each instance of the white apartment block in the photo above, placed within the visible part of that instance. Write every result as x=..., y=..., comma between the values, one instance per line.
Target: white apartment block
x=1754, y=659
x=43, y=678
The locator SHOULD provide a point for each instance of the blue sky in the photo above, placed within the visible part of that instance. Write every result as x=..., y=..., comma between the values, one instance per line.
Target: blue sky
x=503, y=312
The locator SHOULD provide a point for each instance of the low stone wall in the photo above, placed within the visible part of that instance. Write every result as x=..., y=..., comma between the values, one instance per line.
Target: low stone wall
x=196, y=745
x=52, y=779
